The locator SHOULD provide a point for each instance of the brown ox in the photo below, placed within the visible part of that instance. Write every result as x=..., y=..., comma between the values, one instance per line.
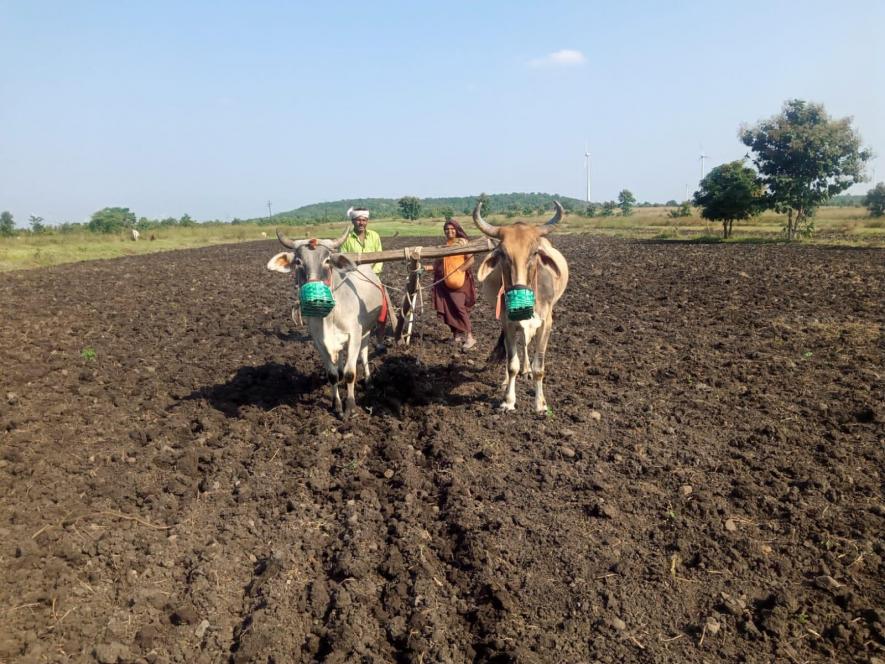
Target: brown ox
x=523, y=258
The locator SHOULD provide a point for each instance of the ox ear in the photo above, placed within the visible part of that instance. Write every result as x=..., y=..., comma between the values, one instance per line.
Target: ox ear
x=489, y=264
x=548, y=261
x=281, y=262
x=342, y=262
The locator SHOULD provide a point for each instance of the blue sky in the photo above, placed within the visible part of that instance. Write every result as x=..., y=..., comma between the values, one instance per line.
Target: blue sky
x=213, y=108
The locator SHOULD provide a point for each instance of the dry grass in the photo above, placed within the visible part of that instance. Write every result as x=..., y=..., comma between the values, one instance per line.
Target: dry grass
x=844, y=226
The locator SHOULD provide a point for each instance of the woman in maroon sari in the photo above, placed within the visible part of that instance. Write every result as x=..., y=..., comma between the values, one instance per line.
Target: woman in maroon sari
x=454, y=292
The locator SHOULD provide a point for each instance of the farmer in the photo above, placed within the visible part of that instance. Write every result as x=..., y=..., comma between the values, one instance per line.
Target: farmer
x=362, y=239
x=454, y=290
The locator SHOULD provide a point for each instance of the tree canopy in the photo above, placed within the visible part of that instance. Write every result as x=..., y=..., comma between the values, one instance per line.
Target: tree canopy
x=875, y=200
x=729, y=192
x=111, y=220
x=7, y=223
x=36, y=224
x=804, y=157
x=626, y=201
x=409, y=207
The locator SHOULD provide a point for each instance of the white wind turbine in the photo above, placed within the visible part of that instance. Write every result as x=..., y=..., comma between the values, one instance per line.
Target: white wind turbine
x=703, y=157
x=587, y=167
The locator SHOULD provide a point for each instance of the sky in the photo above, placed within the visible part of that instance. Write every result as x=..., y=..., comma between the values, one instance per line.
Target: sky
x=215, y=108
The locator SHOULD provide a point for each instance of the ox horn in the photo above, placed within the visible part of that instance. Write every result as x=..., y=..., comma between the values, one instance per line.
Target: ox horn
x=555, y=219
x=337, y=243
x=286, y=242
x=482, y=224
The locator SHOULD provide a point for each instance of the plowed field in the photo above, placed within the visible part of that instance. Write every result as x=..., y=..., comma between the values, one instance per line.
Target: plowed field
x=706, y=488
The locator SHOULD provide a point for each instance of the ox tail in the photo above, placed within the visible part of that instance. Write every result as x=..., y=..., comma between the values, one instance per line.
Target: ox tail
x=499, y=352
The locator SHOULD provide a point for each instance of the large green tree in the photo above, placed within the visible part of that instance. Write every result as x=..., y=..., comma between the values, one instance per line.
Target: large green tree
x=111, y=220
x=804, y=157
x=875, y=200
x=729, y=192
x=7, y=223
x=626, y=201
x=409, y=207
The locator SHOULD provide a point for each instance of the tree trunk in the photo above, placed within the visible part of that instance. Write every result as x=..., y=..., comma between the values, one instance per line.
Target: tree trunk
x=791, y=230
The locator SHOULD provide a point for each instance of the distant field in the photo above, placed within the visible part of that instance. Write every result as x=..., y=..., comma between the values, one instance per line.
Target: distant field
x=834, y=225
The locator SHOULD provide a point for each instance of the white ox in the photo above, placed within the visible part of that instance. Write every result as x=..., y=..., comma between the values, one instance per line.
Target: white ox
x=523, y=258
x=361, y=306
x=135, y=235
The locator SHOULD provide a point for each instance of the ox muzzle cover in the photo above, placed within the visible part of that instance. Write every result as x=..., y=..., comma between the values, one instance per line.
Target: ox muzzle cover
x=519, y=302
x=316, y=299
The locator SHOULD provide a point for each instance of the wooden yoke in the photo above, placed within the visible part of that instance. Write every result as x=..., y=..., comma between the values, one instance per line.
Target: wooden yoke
x=476, y=246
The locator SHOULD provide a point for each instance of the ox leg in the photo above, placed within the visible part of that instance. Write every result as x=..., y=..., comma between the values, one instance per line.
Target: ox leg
x=538, y=365
x=510, y=343
x=364, y=360
x=330, y=362
x=526, y=363
x=354, y=351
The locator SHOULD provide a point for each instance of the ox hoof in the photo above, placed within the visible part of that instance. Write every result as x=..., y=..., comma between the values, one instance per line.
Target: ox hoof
x=349, y=408
x=507, y=407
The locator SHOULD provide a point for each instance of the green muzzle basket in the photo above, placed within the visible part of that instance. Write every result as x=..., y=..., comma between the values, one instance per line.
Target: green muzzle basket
x=519, y=302
x=316, y=299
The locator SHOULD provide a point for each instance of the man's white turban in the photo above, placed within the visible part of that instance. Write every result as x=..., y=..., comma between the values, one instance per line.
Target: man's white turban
x=355, y=213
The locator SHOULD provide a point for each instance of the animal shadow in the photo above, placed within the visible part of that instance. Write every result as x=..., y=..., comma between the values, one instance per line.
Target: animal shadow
x=266, y=387
x=403, y=381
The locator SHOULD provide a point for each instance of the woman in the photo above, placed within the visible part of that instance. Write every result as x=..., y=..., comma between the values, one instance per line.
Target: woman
x=454, y=290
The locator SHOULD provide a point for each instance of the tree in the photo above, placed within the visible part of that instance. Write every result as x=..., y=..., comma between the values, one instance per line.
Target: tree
x=608, y=208
x=186, y=221
x=875, y=200
x=804, y=157
x=409, y=207
x=626, y=201
x=36, y=223
x=486, y=204
x=111, y=220
x=728, y=192
x=7, y=223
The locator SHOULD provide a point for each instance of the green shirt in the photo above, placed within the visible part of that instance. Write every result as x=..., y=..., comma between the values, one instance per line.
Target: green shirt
x=352, y=245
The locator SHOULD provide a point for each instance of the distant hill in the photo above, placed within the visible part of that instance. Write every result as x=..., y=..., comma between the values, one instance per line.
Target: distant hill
x=430, y=207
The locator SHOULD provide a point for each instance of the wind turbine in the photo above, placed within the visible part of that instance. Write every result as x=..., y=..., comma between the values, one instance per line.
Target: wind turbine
x=702, y=158
x=587, y=166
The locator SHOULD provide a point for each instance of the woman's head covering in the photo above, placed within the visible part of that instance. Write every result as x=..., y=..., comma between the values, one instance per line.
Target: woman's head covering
x=459, y=232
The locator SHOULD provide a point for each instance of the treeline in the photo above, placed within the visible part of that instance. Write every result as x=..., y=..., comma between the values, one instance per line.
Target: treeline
x=106, y=220
x=514, y=203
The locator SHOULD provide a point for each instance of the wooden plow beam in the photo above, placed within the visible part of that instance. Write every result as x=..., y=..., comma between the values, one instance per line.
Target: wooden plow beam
x=414, y=256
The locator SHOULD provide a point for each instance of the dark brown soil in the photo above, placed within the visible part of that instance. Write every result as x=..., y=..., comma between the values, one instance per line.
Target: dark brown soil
x=706, y=488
